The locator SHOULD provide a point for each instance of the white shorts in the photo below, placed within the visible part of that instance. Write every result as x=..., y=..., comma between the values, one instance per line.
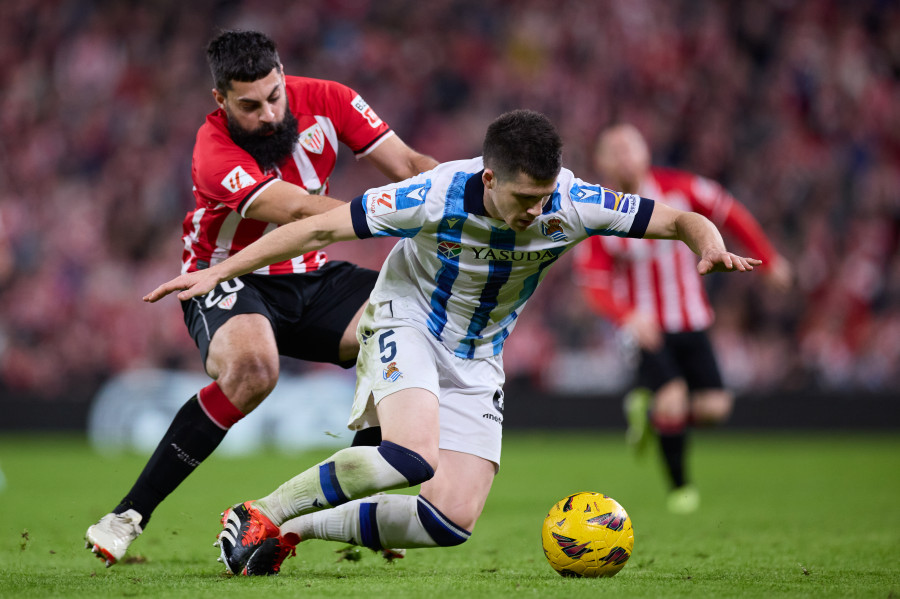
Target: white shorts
x=395, y=355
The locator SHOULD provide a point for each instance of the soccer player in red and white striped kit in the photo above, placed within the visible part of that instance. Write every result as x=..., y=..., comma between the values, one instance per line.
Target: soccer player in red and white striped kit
x=651, y=290
x=260, y=160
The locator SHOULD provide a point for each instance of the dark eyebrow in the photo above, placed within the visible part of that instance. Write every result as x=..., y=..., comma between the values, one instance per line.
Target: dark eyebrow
x=256, y=102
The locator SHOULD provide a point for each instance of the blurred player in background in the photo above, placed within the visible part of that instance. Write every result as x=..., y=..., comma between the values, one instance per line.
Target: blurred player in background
x=477, y=237
x=651, y=290
x=260, y=161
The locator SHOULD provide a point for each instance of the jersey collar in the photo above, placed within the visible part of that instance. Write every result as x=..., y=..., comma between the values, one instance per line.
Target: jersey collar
x=473, y=197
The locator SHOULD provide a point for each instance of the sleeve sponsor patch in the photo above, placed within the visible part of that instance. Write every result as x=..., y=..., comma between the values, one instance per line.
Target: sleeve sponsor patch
x=364, y=109
x=609, y=199
x=381, y=202
x=614, y=200
x=237, y=179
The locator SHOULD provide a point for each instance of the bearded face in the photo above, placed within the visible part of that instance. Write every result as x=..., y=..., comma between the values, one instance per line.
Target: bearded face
x=268, y=144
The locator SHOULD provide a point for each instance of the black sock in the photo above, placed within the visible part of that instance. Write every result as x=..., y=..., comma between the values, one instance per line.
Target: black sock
x=191, y=437
x=673, y=451
x=367, y=437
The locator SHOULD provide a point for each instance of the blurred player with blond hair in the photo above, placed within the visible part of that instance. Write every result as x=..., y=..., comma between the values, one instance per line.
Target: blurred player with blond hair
x=651, y=290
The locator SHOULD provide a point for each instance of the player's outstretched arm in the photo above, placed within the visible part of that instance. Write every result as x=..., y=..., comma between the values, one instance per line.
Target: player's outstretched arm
x=398, y=161
x=283, y=243
x=700, y=235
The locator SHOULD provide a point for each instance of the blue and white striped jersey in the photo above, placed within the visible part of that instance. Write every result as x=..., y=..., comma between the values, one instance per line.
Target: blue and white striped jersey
x=464, y=276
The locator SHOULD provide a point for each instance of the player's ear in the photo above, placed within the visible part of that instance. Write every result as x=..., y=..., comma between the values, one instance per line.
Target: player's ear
x=219, y=97
x=487, y=177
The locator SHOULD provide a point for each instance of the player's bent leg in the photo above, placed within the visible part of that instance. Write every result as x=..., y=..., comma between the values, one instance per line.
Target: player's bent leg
x=407, y=456
x=243, y=358
x=349, y=474
x=409, y=416
x=389, y=524
x=460, y=487
x=711, y=406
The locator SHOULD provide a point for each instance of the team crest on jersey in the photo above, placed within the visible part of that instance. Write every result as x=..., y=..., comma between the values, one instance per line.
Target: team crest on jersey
x=313, y=139
x=364, y=109
x=391, y=372
x=237, y=179
x=449, y=249
x=227, y=302
x=381, y=203
x=552, y=228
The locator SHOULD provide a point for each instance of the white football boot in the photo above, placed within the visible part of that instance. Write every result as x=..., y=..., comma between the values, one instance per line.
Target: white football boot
x=110, y=537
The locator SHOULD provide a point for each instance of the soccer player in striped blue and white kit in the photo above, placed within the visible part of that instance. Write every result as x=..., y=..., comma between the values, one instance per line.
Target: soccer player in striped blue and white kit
x=476, y=238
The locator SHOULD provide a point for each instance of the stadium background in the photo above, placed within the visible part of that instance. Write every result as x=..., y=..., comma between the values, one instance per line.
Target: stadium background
x=794, y=105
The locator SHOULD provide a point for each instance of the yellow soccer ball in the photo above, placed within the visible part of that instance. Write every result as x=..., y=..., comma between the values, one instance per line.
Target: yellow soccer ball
x=587, y=534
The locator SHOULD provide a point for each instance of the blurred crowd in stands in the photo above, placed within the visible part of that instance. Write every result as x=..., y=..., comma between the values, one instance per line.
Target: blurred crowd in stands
x=794, y=105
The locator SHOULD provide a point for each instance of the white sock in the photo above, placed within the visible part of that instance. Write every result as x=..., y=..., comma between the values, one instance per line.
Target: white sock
x=349, y=474
x=397, y=521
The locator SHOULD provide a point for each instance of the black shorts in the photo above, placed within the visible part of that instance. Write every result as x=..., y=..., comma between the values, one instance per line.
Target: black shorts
x=308, y=312
x=684, y=355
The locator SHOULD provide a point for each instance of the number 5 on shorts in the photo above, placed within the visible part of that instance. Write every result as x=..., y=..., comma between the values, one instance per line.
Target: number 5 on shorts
x=388, y=349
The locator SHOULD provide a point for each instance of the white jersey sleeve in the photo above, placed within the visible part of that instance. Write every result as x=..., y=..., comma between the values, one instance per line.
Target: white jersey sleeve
x=396, y=210
x=603, y=211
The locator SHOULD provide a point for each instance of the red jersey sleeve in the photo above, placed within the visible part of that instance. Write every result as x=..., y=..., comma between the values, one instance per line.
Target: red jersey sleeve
x=223, y=173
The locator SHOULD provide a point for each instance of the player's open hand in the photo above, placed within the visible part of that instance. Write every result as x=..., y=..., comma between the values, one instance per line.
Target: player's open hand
x=718, y=261
x=193, y=283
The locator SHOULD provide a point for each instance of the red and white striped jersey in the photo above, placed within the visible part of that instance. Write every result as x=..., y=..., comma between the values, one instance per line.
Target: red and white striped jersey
x=227, y=179
x=659, y=276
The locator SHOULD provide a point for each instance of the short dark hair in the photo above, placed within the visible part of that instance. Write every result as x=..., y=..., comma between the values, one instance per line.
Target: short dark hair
x=523, y=140
x=236, y=55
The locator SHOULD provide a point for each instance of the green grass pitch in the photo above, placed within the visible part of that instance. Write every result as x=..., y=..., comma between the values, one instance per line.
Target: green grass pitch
x=782, y=515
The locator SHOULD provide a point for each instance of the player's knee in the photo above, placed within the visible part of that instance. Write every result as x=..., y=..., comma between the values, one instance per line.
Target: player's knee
x=413, y=466
x=249, y=381
x=712, y=412
x=671, y=401
x=443, y=531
